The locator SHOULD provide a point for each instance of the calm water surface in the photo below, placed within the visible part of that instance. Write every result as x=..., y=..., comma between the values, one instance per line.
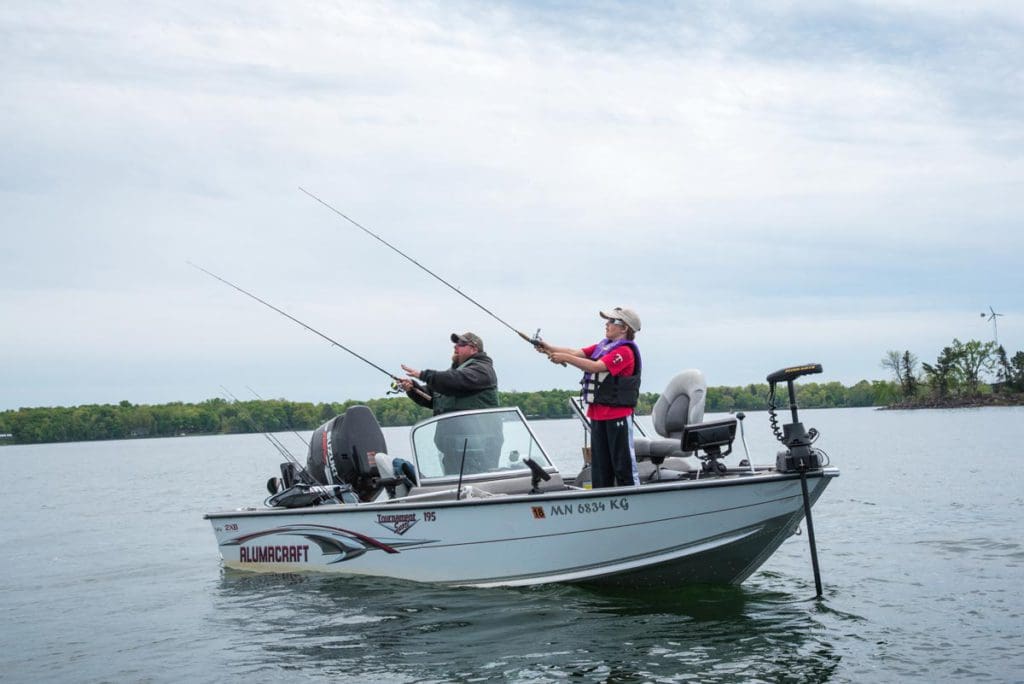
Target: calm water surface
x=111, y=574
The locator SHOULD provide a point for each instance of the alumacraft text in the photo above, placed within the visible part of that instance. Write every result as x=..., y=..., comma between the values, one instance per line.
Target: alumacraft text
x=274, y=554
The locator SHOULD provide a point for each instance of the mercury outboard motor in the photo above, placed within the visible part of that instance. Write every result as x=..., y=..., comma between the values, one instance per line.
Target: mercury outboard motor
x=343, y=451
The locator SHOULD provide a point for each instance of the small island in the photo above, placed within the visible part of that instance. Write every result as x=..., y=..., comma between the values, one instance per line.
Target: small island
x=958, y=377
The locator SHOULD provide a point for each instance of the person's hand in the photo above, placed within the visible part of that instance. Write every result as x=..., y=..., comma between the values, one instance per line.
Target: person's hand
x=405, y=384
x=411, y=372
x=542, y=347
x=559, y=357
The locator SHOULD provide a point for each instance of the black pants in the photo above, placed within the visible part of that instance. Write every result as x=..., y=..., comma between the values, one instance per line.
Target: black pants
x=612, y=461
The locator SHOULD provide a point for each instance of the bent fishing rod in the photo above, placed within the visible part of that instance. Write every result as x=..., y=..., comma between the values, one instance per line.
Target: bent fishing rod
x=397, y=380
x=535, y=340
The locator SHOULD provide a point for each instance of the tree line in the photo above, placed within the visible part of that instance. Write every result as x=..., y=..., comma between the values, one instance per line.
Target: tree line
x=962, y=373
x=219, y=416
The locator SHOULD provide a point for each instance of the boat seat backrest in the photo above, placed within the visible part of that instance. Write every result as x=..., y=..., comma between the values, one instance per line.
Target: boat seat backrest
x=681, y=404
x=400, y=469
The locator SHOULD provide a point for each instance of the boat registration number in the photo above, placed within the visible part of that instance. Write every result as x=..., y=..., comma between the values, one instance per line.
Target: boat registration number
x=585, y=507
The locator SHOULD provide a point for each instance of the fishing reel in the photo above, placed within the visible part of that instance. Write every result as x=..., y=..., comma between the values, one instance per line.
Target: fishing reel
x=799, y=454
x=537, y=341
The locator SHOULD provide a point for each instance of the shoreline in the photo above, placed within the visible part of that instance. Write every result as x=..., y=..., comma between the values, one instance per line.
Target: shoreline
x=980, y=401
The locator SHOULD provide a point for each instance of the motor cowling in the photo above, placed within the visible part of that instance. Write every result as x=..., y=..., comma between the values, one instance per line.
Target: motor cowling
x=343, y=451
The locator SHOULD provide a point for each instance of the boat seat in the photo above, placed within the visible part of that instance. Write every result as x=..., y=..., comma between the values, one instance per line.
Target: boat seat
x=650, y=472
x=681, y=404
x=398, y=469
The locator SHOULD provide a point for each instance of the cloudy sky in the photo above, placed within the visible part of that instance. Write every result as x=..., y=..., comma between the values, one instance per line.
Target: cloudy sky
x=765, y=183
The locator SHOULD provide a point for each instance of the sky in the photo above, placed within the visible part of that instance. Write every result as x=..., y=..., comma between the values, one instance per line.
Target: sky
x=766, y=184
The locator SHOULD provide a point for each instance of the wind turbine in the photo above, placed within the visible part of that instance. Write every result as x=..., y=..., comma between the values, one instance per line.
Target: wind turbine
x=992, y=315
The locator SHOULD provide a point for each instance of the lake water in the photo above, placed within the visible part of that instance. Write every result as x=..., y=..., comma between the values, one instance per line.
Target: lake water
x=111, y=574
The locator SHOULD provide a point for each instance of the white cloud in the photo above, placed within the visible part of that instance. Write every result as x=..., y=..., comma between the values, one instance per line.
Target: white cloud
x=759, y=183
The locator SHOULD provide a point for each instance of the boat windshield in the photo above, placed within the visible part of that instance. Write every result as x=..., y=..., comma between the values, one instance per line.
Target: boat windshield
x=492, y=441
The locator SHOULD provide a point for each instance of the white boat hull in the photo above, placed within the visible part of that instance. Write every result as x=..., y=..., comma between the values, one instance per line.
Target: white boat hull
x=714, y=530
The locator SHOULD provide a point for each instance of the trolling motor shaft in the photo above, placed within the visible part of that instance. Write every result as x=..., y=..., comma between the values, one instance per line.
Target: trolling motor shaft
x=799, y=456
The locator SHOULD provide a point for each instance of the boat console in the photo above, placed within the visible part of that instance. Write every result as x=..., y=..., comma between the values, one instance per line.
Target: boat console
x=492, y=450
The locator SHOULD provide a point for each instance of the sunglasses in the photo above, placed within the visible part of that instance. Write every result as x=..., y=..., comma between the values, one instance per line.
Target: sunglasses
x=460, y=343
x=617, y=321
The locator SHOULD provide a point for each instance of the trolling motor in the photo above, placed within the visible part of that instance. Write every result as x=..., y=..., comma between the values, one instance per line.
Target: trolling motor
x=799, y=455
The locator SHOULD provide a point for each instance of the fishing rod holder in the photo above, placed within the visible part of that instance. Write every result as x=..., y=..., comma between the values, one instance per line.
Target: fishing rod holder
x=799, y=455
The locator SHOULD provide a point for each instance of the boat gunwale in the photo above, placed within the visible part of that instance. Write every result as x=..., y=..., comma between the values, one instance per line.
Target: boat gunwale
x=734, y=480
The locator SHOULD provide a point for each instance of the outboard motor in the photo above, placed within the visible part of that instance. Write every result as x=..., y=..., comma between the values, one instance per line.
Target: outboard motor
x=799, y=455
x=343, y=451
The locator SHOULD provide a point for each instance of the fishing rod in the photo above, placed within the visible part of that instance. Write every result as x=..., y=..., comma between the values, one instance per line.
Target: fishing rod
x=306, y=476
x=294, y=431
x=397, y=380
x=535, y=340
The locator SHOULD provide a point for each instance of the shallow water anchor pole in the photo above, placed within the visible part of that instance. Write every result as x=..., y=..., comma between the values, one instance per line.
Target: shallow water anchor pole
x=810, y=531
x=799, y=455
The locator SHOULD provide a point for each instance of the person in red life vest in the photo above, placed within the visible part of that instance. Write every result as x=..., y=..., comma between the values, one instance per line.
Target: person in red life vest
x=611, y=388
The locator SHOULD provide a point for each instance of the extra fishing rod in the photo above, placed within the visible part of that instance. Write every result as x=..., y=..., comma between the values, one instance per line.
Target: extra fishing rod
x=337, y=344
x=535, y=340
x=306, y=476
x=294, y=431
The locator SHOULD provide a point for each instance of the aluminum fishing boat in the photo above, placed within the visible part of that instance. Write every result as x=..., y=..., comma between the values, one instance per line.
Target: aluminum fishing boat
x=481, y=504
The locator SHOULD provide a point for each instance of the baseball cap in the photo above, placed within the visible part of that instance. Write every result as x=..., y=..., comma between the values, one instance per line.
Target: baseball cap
x=627, y=316
x=468, y=338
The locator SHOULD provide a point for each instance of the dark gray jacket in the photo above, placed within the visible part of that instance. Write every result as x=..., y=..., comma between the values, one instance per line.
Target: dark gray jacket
x=472, y=384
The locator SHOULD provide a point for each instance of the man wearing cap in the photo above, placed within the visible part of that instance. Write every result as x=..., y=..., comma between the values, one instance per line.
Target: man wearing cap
x=611, y=388
x=470, y=382
x=470, y=445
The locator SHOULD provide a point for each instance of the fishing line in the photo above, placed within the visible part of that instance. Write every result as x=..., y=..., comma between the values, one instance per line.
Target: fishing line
x=274, y=441
x=307, y=327
x=305, y=442
x=535, y=340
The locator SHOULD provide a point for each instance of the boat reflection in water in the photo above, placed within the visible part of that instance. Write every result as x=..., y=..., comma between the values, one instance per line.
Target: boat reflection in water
x=480, y=504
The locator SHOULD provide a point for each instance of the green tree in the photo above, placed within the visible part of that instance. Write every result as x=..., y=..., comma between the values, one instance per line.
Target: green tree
x=1016, y=372
x=1009, y=372
x=973, y=359
x=942, y=377
x=904, y=369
